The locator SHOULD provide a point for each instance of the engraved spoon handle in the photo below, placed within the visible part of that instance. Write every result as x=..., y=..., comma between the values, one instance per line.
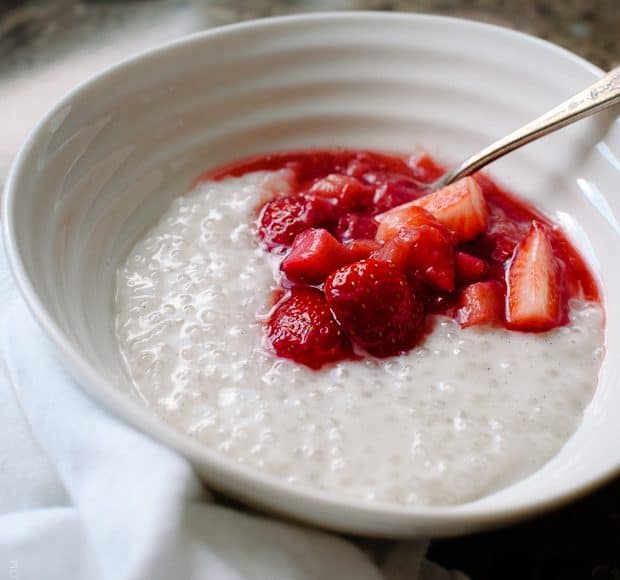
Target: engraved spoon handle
x=604, y=93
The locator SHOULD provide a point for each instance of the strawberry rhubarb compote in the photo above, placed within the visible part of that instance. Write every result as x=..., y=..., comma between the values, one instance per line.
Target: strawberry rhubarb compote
x=317, y=317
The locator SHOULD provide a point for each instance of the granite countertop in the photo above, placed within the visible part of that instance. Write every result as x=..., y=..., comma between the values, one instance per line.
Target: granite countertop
x=53, y=44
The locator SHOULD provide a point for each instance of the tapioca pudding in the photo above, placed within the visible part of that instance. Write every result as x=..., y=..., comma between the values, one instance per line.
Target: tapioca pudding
x=314, y=317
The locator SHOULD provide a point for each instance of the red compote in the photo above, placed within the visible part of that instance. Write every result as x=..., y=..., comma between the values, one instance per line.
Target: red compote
x=366, y=257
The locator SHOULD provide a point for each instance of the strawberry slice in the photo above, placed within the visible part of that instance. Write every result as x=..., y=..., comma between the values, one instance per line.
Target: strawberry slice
x=481, y=303
x=302, y=328
x=469, y=268
x=403, y=217
x=314, y=255
x=375, y=306
x=422, y=252
x=533, y=280
x=282, y=218
x=361, y=249
x=460, y=207
x=351, y=193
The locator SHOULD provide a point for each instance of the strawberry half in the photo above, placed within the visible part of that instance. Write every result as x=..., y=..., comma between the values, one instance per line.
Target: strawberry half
x=302, y=328
x=403, y=217
x=460, y=207
x=314, y=255
x=422, y=252
x=375, y=306
x=282, y=218
x=533, y=301
x=481, y=303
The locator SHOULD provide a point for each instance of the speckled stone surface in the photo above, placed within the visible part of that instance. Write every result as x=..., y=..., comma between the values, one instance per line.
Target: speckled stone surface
x=591, y=28
x=47, y=46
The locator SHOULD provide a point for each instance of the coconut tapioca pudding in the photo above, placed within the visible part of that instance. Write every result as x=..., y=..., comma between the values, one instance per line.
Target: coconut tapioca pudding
x=314, y=316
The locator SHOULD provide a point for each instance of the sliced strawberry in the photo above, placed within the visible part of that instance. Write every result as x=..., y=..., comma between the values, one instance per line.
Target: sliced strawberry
x=403, y=217
x=352, y=226
x=460, y=207
x=361, y=249
x=533, y=301
x=422, y=252
x=375, y=306
x=314, y=255
x=481, y=303
x=302, y=328
x=282, y=218
x=350, y=193
x=469, y=268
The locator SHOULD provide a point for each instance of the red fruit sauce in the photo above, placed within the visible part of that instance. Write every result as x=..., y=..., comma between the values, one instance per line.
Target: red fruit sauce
x=363, y=184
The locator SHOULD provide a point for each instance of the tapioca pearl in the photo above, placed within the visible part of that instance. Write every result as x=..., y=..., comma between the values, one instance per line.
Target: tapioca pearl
x=168, y=309
x=216, y=352
x=196, y=333
x=170, y=402
x=208, y=315
x=459, y=421
x=443, y=386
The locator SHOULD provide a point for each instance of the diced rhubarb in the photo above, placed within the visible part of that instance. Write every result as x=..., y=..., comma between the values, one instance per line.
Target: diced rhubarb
x=481, y=303
x=424, y=253
x=350, y=193
x=460, y=207
x=533, y=301
x=469, y=268
x=361, y=249
x=403, y=217
x=314, y=255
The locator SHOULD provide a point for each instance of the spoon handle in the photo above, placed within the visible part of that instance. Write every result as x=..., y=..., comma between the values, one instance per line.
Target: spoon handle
x=604, y=93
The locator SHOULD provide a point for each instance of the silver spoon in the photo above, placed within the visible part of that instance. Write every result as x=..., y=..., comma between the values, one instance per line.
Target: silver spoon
x=602, y=94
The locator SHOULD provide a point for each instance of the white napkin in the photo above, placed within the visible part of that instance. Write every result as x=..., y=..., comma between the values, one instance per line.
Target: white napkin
x=84, y=496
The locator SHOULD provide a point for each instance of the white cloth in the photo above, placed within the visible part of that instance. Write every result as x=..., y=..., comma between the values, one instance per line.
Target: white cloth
x=84, y=496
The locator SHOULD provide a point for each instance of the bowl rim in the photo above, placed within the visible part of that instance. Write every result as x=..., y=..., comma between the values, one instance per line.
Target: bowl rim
x=112, y=398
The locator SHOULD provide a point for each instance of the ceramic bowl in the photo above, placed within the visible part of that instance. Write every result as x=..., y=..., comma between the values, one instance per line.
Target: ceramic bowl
x=101, y=166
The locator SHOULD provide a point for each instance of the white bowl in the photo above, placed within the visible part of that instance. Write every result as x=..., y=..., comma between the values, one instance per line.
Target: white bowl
x=102, y=165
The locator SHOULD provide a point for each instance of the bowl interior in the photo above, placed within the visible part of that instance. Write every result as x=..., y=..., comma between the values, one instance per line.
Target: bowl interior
x=101, y=167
